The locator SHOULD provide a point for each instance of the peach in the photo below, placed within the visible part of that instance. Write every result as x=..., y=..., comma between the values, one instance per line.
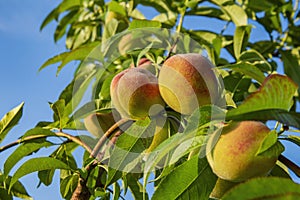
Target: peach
x=188, y=81
x=135, y=94
x=98, y=123
x=145, y=63
x=234, y=156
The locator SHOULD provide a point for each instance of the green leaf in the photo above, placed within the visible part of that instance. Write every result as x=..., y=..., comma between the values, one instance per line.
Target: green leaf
x=79, y=53
x=166, y=19
x=258, y=5
x=110, y=29
x=235, y=12
x=193, y=179
x=36, y=164
x=22, y=151
x=136, y=187
x=208, y=12
x=4, y=194
x=273, y=151
x=247, y=69
x=117, y=191
x=186, y=147
x=63, y=24
x=59, y=113
x=268, y=142
x=143, y=24
x=9, y=120
x=17, y=190
x=63, y=6
x=105, y=89
x=269, y=96
x=280, y=170
x=81, y=83
x=254, y=57
x=283, y=116
x=128, y=149
x=68, y=185
x=38, y=131
x=291, y=65
x=46, y=176
x=198, y=126
x=116, y=7
x=240, y=39
x=160, y=6
x=264, y=188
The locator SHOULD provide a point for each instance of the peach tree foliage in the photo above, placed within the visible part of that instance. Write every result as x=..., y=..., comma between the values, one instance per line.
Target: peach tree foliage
x=248, y=68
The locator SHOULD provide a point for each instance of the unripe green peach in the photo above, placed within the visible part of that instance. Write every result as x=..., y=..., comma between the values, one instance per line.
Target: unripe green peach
x=98, y=123
x=135, y=94
x=234, y=155
x=187, y=81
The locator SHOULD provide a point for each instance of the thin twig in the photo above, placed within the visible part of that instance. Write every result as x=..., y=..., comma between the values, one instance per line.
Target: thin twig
x=106, y=135
x=75, y=140
x=22, y=140
x=81, y=192
x=33, y=137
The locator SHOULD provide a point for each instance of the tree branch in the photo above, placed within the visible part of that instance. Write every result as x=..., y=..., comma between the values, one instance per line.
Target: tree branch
x=81, y=192
x=106, y=135
x=59, y=134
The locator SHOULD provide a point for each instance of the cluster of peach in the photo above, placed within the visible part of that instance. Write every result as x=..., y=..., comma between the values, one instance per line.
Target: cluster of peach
x=183, y=83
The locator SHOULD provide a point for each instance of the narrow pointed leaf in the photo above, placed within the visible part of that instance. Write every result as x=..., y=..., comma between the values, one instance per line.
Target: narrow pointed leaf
x=37, y=164
x=76, y=54
x=235, y=12
x=22, y=151
x=268, y=142
x=265, y=188
x=240, y=39
x=128, y=149
x=63, y=6
x=144, y=23
x=17, y=190
x=136, y=187
x=291, y=65
x=9, y=120
x=283, y=116
x=193, y=179
x=247, y=69
x=269, y=96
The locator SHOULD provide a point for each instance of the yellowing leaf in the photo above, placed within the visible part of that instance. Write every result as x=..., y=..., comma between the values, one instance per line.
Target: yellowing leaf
x=269, y=96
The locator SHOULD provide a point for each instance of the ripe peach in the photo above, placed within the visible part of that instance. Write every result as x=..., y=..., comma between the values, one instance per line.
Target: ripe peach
x=187, y=81
x=234, y=157
x=135, y=93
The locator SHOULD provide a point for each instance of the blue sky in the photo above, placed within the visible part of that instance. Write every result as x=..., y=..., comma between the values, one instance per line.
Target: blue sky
x=23, y=49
